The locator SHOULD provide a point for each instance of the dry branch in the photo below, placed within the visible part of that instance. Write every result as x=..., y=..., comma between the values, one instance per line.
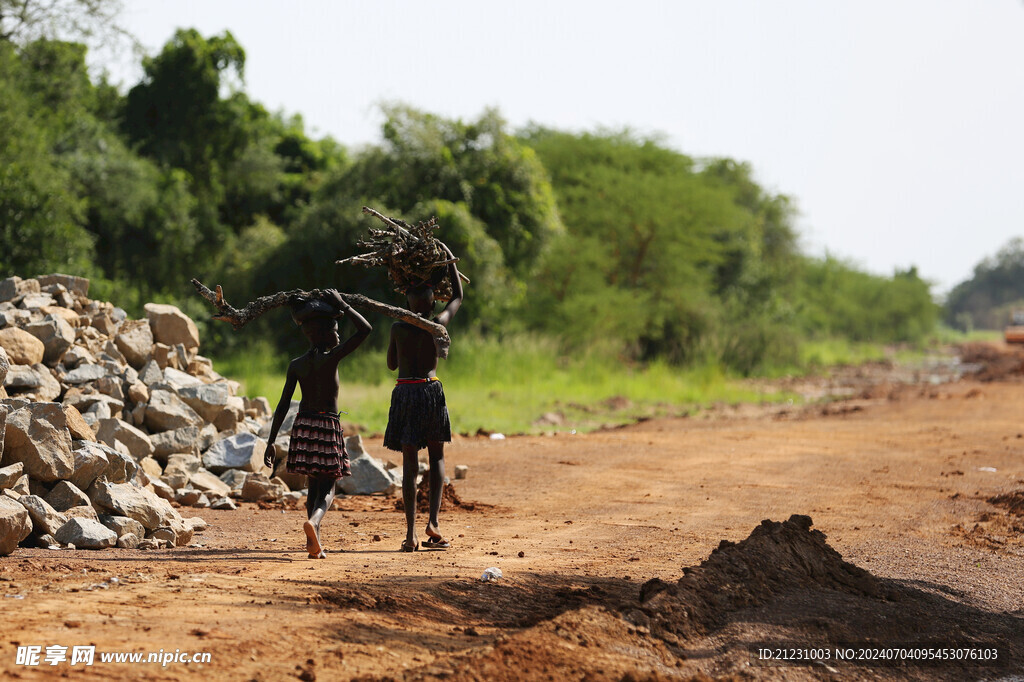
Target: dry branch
x=411, y=254
x=238, y=318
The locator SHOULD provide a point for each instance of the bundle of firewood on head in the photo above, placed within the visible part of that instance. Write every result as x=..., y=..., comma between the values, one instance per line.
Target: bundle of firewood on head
x=412, y=255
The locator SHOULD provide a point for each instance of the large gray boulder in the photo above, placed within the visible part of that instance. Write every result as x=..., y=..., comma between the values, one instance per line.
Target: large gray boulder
x=183, y=440
x=45, y=519
x=206, y=482
x=86, y=534
x=77, y=426
x=9, y=475
x=5, y=365
x=175, y=380
x=112, y=386
x=104, y=323
x=66, y=495
x=108, y=431
x=32, y=381
x=3, y=426
x=36, y=301
x=12, y=317
x=369, y=475
x=171, y=326
x=242, y=451
x=85, y=373
x=76, y=285
x=90, y=462
x=166, y=411
x=189, y=464
x=93, y=404
x=55, y=333
x=15, y=525
x=232, y=415
x=118, y=467
x=233, y=478
x=37, y=436
x=13, y=287
x=22, y=348
x=128, y=541
x=286, y=425
x=138, y=392
x=123, y=466
x=81, y=512
x=161, y=489
x=76, y=357
x=208, y=400
x=19, y=487
x=151, y=467
x=122, y=525
x=258, y=407
x=257, y=487
x=135, y=341
x=151, y=374
x=125, y=499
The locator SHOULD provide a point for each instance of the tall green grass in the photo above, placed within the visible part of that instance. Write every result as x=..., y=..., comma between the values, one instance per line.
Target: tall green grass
x=507, y=385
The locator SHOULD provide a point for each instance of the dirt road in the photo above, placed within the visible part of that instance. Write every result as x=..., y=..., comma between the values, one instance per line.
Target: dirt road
x=921, y=487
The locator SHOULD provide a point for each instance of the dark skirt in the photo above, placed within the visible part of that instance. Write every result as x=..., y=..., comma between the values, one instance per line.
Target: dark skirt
x=317, y=446
x=418, y=414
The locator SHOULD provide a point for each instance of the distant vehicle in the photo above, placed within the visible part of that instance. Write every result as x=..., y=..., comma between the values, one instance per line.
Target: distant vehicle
x=1015, y=332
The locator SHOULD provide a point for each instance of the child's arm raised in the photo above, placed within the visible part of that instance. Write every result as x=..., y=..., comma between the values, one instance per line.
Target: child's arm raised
x=363, y=327
x=446, y=315
x=279, y=414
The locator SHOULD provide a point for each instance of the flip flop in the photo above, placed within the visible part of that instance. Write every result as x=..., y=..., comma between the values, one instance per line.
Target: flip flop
x=409, y=547
x=436, y=543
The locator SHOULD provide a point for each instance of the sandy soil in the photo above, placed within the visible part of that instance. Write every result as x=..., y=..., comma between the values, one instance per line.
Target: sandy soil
x=916, y=493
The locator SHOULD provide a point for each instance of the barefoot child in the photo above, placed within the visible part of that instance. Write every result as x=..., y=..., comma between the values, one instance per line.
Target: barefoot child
x=419, y=417
x=317, y=447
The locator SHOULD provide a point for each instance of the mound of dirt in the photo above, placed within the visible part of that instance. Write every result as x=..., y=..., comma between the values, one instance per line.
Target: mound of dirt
x=776, y=558
x=996, y=362
x=783, y=583
x=1011, y=502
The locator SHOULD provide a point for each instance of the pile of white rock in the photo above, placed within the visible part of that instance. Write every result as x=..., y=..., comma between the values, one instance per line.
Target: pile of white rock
x=105, y=420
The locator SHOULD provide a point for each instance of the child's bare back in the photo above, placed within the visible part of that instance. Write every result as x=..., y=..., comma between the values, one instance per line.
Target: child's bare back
x=317, y=446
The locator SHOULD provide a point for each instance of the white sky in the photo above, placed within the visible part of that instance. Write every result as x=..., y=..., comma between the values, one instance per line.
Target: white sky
x=897, y=125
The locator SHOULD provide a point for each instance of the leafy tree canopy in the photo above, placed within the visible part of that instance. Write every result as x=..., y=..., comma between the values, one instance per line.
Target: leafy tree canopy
x=996, y=288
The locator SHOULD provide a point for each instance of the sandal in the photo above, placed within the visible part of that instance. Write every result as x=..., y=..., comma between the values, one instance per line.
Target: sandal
x=436, y=543
x=409, y=546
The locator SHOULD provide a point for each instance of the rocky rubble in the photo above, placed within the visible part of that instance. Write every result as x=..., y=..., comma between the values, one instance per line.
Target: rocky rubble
x=105, y=420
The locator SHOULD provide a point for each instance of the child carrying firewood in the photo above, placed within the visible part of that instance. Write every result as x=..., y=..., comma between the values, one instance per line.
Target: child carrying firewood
x=317, y=447
x=418, y=416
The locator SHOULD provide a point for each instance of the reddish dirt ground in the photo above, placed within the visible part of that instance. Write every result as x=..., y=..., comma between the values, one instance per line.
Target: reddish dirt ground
x=915, y=493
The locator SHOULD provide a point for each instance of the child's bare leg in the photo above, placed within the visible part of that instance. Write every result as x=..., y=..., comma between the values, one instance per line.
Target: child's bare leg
x=312, y=490
x=435, y=451
x=410, y=469
x=324, y=496
x=310, y=495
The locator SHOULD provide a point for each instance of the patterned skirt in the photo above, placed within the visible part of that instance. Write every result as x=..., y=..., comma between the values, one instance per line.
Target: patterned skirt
x=317, y=446
x=418, y=414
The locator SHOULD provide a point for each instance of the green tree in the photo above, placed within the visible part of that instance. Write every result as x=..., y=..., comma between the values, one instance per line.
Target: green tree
x=838, y=300
x=652, y=246
x=41, y=223
x=994, y=290
x=25, y=21
x=478, y=164
x=177, y=117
